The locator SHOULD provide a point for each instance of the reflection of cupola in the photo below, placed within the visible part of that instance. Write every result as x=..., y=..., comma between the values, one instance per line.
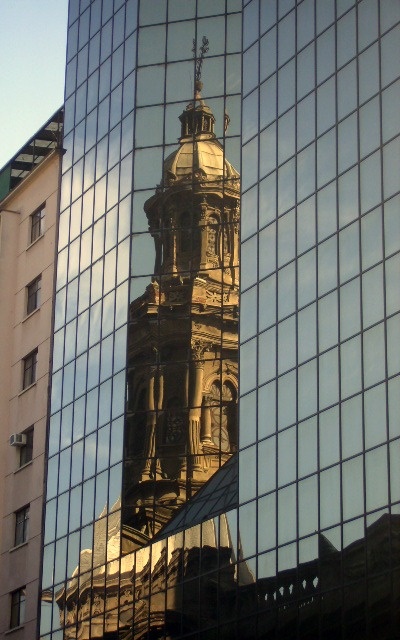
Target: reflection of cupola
x=193, y=216
x=197, y=119
x=182, y=379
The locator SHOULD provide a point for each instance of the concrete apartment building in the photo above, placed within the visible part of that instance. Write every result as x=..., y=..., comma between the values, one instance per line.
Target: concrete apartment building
x=29, y=191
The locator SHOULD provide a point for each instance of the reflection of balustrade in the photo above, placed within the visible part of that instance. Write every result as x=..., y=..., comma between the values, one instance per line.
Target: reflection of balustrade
x=290, y=586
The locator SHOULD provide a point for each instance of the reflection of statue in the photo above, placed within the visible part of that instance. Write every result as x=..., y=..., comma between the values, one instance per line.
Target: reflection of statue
x=183, y=341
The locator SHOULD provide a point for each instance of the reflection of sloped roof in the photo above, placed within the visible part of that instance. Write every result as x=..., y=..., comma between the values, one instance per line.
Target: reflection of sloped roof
x=48, y=138
x=206, y=155
x=218, y=495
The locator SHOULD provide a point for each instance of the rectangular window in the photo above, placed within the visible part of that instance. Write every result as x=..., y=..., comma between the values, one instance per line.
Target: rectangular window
x=29, y=369
x=26, y=452
x=37, y=223
x=21, y=526
x=17, y=616
x=33, y=294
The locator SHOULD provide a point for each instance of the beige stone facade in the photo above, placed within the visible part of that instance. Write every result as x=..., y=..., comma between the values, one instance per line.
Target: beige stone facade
x=28, y=217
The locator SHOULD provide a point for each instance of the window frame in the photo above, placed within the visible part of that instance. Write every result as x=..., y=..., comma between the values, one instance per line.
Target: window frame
x=26, y=451
x=29, y=367
x=37, y=223
x=17, y=607
x=33, y=295
x=21, y=525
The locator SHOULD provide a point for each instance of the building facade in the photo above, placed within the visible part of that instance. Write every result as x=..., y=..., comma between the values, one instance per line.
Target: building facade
x=318, y=370
x=28, y=214
x=297, y=534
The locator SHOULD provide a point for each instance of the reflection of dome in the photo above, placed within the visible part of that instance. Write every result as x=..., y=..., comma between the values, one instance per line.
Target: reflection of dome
x=204, y=155
x=199, y=155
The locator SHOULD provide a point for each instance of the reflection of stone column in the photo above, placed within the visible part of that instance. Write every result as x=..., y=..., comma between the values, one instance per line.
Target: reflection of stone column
x=186, y=388
x=150, y=443
x=160, y=389
x=159, y=404
x=195, y=406
x=206, y=432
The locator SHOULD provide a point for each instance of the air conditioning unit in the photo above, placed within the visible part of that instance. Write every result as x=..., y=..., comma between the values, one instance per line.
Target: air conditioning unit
x=18, y=440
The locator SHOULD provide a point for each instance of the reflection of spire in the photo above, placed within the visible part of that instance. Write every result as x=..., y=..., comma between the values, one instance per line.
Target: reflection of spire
x=199, y=60
x=198, y=85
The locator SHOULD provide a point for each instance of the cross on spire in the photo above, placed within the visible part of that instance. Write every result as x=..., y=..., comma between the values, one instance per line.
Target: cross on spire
x=199, y=59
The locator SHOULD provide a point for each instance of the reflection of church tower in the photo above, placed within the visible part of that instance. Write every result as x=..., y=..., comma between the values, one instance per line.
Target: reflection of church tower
x=183, y=339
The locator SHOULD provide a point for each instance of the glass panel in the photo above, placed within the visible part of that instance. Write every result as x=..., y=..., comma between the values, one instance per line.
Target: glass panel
x=329, y=497
x=353, y=487
x=306, y=278
x=286, y=458
x=307, y=333
x=347, y=143
x=308, y=506
x=305, y=71
x=346, y=38
x=267, y=355
x=352, y=426
x=328, y=378
x=307, y=389
x=286, y=291
x=376, y=484
x=327, y=260
x=325, y=54
x=350, y=364
x=374, y=355
x=266, y=409
x=347, y=90
x=350, y=316
x=393, y=336
x=391, y=167
x=326, y=106
x=286, y=399
x=375, y=415
x=349, y=252
x=372, y=287
x=307, y=447
x=266, y=465
x=287, y=514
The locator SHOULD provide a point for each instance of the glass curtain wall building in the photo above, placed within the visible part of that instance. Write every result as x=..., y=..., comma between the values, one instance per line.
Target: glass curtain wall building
x=305, y=543
x=319, y=459
x=145, y=374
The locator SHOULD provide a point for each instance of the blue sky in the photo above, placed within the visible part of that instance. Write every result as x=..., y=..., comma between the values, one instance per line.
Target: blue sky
x=32, y=64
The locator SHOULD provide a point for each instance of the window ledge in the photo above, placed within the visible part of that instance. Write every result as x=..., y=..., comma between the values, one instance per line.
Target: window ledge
x=29, y=315
x=23, y=466
x=35, y=241
x=26, y=389
x=18, y=546
x=20, y=626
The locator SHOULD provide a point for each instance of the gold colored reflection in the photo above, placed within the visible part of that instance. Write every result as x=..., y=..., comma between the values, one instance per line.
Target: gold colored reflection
x=182, y=392
x=181, y=416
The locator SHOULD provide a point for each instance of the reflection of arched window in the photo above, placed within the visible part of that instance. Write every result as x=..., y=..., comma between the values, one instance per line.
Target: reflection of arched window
x=212, y=237
x=184, y=234
x=174, y=422
x=223, y=415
